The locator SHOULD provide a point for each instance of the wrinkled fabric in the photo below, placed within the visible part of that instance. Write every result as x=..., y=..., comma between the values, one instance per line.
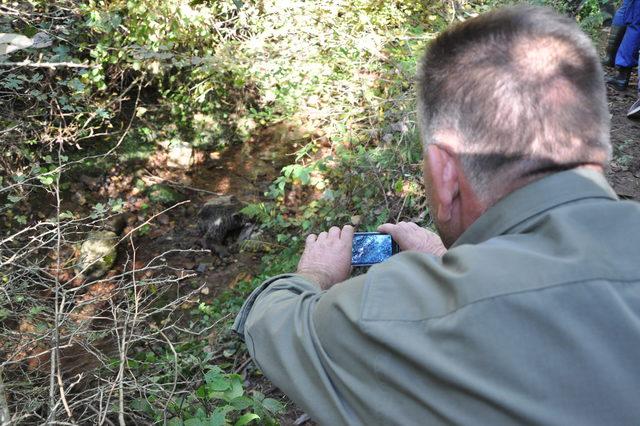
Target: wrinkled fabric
x=628, y=13
x=532, y=317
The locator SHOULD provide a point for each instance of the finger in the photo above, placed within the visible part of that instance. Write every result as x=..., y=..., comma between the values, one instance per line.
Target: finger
x=311, y=238
x=386, y=228
x=347, y=233
x=334, y=233
x=322, y=236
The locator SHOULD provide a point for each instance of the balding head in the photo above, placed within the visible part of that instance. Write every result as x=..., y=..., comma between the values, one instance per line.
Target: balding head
x=523, y=90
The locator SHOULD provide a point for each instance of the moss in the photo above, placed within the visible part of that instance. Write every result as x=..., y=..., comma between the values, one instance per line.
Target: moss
x=164, y=194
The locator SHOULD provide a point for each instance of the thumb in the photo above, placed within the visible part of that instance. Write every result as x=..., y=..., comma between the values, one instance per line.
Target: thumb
x=387, y=228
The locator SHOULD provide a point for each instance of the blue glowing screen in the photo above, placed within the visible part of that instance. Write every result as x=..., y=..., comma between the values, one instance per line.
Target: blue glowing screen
x=370, y=248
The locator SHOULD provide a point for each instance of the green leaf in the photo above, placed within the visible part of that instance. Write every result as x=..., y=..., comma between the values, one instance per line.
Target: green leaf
x=241, y=402
x=11, y=82
x=272, y=405
x=76, y=85
x=399, y=185
x=236, y=390
x=46, y=180
x=246, y=419
x=304, y=176
x=216, y=382
x=66, y=215
x=201, y=392
x=4, y=313
x=219, y=416
x=35, y=310
x=14, y=198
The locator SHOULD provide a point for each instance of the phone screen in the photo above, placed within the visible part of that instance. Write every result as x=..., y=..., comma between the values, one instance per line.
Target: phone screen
x=371, y=247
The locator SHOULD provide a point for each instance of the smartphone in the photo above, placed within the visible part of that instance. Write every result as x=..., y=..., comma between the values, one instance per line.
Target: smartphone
x=371, y=247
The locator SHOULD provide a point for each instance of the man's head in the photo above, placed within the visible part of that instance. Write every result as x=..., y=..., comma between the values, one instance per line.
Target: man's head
x=503, y=99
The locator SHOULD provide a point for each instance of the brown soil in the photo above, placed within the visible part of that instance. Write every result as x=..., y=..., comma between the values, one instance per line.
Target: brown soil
x=624, y=171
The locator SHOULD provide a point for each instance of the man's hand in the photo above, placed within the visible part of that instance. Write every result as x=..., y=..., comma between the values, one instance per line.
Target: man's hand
x=327, y=257
x=410, y=236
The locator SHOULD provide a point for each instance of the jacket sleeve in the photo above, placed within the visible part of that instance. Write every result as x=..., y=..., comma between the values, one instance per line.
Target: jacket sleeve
x=304, y=341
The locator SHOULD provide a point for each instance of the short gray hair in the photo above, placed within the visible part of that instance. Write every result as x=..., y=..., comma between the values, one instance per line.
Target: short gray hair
x=524, y=88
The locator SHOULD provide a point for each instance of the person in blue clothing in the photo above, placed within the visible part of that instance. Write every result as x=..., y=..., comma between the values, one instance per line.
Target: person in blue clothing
x=616, y=33
x=626, y=27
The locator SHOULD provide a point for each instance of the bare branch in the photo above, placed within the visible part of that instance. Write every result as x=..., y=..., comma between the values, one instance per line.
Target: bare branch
x=50, y=65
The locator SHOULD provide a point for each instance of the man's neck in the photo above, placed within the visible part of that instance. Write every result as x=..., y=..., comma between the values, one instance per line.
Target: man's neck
x=513, y=185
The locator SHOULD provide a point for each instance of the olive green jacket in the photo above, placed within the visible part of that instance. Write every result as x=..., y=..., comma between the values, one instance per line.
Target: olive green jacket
x=532, y=317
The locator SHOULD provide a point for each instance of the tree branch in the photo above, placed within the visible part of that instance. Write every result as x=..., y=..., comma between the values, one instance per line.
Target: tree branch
x=52, y=65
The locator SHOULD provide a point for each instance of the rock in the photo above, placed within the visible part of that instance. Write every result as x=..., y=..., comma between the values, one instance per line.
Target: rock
x=10, y=42
x=163, y=219
x=220, y=223
x=180, y=155
x=202, y=268
x=356, y=220
x=246, y=233
x=97, y=254
x=41, y=40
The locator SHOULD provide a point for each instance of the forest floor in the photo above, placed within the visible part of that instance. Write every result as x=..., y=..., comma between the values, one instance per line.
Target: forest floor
x=624, y=172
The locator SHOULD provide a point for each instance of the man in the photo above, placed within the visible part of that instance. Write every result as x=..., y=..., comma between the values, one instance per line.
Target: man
x=532, y=316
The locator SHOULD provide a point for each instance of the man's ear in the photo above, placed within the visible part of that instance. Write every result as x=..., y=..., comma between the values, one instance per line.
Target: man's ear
x=443, y=173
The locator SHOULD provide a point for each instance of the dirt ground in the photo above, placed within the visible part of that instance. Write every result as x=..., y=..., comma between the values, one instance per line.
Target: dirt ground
x=624, y=171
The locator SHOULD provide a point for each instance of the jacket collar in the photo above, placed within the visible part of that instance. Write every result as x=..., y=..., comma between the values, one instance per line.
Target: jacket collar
x=535, y=198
